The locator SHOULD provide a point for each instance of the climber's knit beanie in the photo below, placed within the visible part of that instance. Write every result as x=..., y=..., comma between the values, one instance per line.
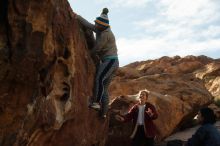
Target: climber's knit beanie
x=103, y=18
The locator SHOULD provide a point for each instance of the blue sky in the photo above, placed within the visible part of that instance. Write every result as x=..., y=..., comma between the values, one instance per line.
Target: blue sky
x=149, y=29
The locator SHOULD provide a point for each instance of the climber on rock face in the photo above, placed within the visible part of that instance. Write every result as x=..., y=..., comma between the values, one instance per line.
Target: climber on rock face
x=105, y=48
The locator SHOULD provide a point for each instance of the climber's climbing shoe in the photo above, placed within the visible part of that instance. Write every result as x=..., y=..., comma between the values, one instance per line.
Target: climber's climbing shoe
x=104, y=116
x=95, y=105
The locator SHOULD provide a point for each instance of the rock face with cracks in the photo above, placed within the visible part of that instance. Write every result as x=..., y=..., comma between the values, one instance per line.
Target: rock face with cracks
x=46, y=77
x=210, y=74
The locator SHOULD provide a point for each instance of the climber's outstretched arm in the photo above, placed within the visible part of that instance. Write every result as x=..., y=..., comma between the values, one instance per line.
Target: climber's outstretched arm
x=86, y=23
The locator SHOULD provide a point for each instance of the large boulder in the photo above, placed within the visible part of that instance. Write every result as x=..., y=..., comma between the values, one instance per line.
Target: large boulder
x=46, y=77
x=174, y=89
x=210, y=74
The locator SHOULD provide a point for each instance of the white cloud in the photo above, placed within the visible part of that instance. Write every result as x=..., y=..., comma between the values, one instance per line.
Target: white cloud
x=131, y=50
x=180, y=27
x=211, y=32
x=183, y=9
x=181, y=16
x=124, y=3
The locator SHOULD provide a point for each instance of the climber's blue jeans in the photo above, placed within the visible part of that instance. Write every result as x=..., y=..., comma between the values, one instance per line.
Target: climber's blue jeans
x=104, y=75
